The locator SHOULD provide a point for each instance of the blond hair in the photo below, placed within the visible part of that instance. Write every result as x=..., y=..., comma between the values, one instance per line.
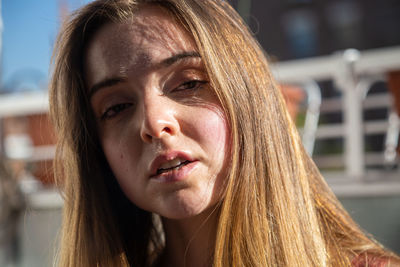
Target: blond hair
x=276, y=211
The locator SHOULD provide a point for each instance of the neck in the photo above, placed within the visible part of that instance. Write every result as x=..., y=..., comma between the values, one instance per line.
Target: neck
x=190, y=241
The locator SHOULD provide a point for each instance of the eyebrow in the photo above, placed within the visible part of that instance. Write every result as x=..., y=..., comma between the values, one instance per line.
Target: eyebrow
x=109, y=82
x=178, y=57
x=103, y=84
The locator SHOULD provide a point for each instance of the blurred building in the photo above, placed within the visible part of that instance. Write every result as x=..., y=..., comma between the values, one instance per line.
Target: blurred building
x=290, y=29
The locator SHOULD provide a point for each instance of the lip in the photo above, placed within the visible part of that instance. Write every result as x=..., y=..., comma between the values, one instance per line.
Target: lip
x=175, y=174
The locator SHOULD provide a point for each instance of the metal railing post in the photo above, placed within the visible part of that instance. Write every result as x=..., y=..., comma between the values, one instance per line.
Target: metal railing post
x=347, y=81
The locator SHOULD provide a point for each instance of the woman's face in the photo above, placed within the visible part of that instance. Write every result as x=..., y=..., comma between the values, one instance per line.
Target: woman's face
x=160, y=124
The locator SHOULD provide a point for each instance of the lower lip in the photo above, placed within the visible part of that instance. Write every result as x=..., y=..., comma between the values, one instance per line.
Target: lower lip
x=176, y=175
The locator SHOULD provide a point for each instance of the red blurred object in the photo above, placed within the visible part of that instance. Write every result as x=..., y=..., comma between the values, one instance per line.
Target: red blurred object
x=394, y=86
x=42, y=133
x=365, y=260
x=293, y=96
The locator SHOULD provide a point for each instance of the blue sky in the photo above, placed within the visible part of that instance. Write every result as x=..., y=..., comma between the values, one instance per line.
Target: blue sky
x=30, y=29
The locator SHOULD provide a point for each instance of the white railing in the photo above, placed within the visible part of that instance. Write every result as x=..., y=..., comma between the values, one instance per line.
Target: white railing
x=353, y=72
x=26, y=103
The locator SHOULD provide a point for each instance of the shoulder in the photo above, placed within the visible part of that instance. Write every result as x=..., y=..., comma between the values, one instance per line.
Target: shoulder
x=370, y=260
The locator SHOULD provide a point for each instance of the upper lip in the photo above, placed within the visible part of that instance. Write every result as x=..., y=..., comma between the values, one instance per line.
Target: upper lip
x=167, y=156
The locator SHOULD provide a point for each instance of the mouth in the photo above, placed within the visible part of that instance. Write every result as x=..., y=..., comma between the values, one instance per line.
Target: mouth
x=174, y=164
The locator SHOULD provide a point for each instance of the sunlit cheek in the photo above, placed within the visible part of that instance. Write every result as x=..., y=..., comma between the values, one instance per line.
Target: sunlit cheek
x=214, y=130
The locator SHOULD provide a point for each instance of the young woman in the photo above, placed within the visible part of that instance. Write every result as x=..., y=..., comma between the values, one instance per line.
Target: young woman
x=175, y=147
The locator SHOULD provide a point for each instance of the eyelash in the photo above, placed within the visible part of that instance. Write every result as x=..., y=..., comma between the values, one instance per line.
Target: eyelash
x=192, y=84
x=118, y=108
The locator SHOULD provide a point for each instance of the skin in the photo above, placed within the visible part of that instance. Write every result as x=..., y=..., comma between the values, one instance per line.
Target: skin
x=148, y=103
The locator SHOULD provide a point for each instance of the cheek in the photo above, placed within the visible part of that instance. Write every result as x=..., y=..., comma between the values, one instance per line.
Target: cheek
x=116, y=158
x=216, y=130
x=213, y=131
x=118, y=151
x=119, y=157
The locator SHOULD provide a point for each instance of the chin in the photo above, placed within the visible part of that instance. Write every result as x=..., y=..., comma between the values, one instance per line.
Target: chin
x=183, y=211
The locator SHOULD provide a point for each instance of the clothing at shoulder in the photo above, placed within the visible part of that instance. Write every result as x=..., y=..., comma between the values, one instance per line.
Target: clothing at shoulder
x=368, y=260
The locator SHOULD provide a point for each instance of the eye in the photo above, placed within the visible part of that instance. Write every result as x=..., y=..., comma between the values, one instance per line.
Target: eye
x=114, y=110
x=189, y=85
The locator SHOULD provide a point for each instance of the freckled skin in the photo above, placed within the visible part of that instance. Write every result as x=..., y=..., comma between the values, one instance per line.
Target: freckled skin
x=158, y=117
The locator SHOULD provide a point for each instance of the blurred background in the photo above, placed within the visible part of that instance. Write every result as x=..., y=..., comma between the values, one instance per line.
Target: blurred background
x=338, y=64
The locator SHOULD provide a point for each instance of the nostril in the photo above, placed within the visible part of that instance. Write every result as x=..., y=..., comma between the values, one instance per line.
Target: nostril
x=167, y=130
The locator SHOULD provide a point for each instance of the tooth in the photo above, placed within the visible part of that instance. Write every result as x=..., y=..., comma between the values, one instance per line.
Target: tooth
x=170, y=164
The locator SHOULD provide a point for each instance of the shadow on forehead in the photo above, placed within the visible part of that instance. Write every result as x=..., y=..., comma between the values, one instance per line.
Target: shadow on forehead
x=157, y=25
x=151, y=31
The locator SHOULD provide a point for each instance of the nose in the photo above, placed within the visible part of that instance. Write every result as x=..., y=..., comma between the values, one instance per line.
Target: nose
x=159, y=119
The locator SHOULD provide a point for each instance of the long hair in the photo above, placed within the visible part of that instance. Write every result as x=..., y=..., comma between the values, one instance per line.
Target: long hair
x=276, y=211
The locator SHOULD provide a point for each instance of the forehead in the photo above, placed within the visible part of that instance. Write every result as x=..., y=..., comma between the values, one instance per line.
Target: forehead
x=151, y=35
